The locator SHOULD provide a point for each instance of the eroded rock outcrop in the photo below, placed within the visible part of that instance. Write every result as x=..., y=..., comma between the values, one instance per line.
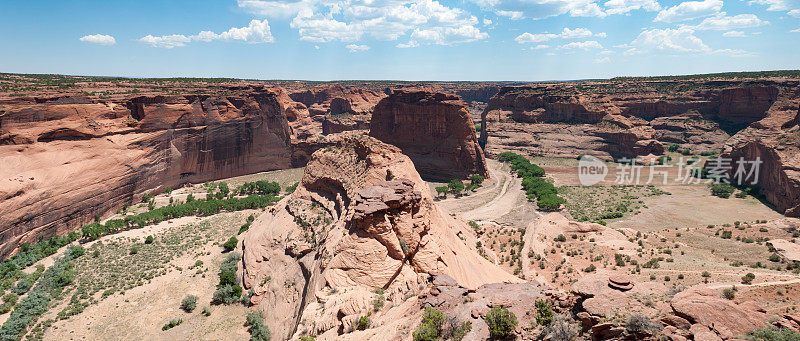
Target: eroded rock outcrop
x=66, y=161
x=360, y=219
x=616, y=119
x=434, y=129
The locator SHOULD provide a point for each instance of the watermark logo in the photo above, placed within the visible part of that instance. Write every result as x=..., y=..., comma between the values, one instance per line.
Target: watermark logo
x=741, y=172
x=591, y=170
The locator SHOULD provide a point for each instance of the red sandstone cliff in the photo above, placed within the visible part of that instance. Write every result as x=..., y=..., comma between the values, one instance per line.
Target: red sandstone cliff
x=67, y=159
x=434, y=129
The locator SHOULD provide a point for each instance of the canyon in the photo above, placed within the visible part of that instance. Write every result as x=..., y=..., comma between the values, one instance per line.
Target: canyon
x=352, y=243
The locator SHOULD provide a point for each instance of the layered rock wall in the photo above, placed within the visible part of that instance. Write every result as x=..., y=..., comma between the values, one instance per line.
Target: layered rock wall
x=434, y=129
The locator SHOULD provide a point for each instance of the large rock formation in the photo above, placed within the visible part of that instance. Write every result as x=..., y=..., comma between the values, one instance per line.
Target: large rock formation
x=434, y=129
x=618, y=119
x=360, y=219
x=68, y=159
x=337, y=99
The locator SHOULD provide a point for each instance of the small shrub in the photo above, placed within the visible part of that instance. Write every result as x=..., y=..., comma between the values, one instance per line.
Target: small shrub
x=258, y=330
x=206, y=311
x=501, y=322
x=748, y=278
x=774, y=334
x=149, y=240
x=362, y=323
x=134, y=250
x=229, y=245
x=722, y=190
x=189, y=303
x=729, y=293
x=227, y=294
x=172, y=323
x=640, y=324
x=561, y=330
x=544, y=312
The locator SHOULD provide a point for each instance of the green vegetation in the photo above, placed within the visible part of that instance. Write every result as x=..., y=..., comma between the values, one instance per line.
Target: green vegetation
x=748, y=278
x=722, y=190
x=228, y=290
x=774, y=334
x=261, y=187
x=362, y=323
x=196, y=207
x=49, y=287
x=230, y=244
x=256, y=327
x=501, y=322
x=189, y=303
x=544, y=312
x=436, y=326
x=172, y=323
x=535, y=186
x=596, y=203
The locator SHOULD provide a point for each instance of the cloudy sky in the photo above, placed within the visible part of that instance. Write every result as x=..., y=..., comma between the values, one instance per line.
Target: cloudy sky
x=527, y=40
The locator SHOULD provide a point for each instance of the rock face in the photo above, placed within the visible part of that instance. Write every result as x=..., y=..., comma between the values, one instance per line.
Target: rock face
x=725, y=317
x=360, y=219
x=616, y=120
x=775, y=142
x=67, y=159
x=337, y=99
x=342, y=123
x=434, y=129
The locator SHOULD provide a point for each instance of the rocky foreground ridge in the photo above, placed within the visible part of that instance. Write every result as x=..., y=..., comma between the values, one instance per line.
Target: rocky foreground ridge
x=361, y=219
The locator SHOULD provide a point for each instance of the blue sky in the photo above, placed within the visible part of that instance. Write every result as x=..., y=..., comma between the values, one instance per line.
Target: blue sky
x=526, y=40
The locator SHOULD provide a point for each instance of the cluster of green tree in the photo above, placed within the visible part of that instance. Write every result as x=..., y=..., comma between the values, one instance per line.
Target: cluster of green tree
x=50, y=285
x=456, y=186
x=11, y=268
x=228, y=291
x=260, y=187
x=190, y=207
x=436, y=326
x=533, y=182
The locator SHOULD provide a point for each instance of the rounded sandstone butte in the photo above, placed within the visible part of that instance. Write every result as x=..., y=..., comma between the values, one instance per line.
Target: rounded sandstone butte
x=361, y=218
x=434, y=129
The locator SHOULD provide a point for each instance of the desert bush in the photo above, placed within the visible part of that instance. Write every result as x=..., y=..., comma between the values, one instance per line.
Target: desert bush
x=442, y=190
x=362, y=323
x=561, y=330
x=206, y=311
x=230, y=244
x=476, y=179
x=172, y=323
x=722, y=190
x=748, y=278
x=544, y=312
x=189, y=303
x=258, y=330
x=149, y=240
x=638, y=324
x=75, y=251
x=455, y=186
x=431, y=326
x=774, y=334
x=501, y=322
x=729, y=293
x=227, y=294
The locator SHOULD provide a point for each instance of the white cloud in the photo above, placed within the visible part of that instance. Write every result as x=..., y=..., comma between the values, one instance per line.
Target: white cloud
x=689, y=10
x=257, y=31
x=625, y=6
x=526, y=37
x=602, y=60
x=605, y=52
x=734, y=34
x=167, y=42
x=582, y=45
x=575, y=33
x=721, y=22
x=681, y=39
x=279, y=9
x=357, y=48
x=101, y=39
x=795, y=13
x=566, y=33
x=775, y=5
x=734, y=53
x=420, y=21
x=540, y=47
x=540, y=9
x=797, y=30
